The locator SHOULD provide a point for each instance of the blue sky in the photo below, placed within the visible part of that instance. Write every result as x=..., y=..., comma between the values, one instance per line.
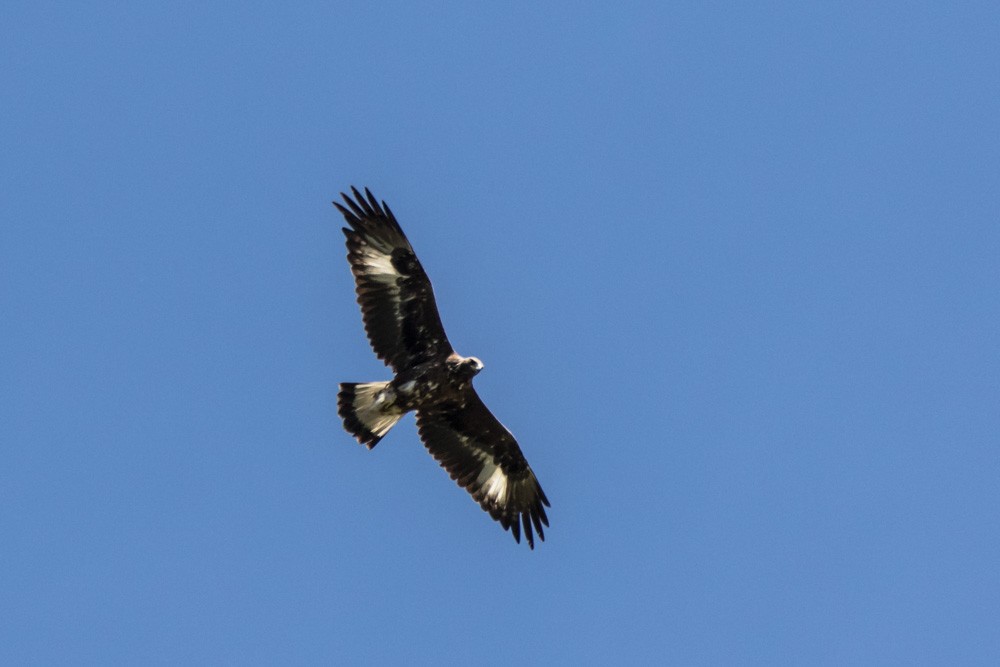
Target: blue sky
x=732, y=269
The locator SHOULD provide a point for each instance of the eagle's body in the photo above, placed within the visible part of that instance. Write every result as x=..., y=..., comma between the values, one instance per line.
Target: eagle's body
x=404, y=328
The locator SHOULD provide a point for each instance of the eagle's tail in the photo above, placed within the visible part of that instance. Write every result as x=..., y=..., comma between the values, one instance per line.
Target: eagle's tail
x=368, y=409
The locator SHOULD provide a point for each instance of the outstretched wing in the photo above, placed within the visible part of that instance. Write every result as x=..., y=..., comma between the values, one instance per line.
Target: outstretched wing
x=483, y=457
x=397, y=302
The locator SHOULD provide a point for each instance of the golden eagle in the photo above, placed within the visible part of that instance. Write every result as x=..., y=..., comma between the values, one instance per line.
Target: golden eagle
x=404, y=328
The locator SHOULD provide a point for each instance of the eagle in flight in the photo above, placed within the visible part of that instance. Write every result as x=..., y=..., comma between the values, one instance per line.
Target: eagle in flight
x=404, y=328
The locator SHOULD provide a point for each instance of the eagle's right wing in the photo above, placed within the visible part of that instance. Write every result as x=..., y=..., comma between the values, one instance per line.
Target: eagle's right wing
x=483, y=457
x=397, y=302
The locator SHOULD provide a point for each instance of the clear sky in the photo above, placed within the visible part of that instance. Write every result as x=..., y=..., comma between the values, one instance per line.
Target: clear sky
x=732, y=268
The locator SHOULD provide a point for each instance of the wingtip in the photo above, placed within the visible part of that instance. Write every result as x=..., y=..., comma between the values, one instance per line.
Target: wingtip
x=536, y=520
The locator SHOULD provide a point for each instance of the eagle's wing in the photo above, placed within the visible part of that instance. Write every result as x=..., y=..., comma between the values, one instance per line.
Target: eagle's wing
x=397, y=302
x=483, y=457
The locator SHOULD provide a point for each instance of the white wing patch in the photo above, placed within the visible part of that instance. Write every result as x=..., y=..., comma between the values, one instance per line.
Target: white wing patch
x=494, y=484
x=378, y=265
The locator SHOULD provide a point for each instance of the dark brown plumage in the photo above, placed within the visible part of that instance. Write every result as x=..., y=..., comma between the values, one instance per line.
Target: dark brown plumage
x=404, y=328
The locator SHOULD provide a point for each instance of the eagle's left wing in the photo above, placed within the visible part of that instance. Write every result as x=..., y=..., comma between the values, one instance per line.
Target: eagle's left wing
x=483, y=457
x=397, y=302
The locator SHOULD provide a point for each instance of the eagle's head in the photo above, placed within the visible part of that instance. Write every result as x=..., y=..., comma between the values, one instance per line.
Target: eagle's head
x=466, y=367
